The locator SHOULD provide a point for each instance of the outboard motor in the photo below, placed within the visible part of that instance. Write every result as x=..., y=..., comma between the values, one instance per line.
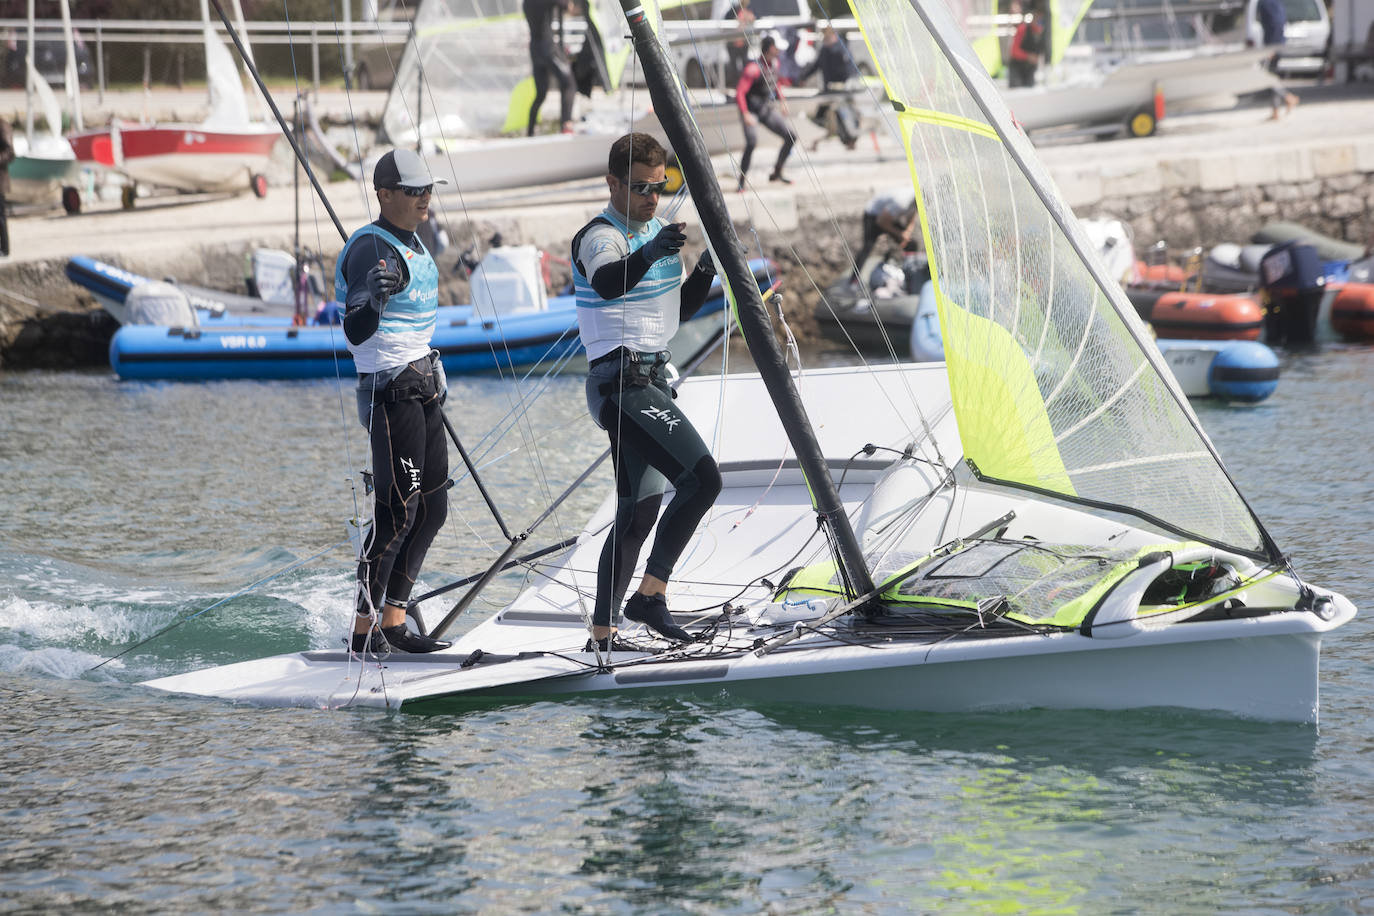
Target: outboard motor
x=1293, y=283
x=159, y=303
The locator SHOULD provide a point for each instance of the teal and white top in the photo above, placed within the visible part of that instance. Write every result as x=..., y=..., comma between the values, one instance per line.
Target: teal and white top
x=407, y=323
x=646, y=317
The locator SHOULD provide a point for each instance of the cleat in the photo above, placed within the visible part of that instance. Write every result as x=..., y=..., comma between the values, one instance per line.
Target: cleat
x=652, y=611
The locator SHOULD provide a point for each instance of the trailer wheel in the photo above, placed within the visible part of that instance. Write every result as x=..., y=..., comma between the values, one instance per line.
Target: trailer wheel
x=71, y=200
x=127, y=196
x=1142, y=123
x=259, y=185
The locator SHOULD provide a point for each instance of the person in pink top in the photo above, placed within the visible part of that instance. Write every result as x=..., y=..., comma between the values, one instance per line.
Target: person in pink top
x=760, y=101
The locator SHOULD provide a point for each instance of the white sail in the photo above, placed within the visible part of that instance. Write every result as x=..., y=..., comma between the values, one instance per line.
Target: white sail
x=467, y=73
x=1055, y=386
x=48, y=106
x=228, y=101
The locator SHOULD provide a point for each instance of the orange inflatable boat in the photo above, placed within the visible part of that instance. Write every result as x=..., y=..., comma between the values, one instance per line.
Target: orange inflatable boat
x=1207, y=316
x=1352, y=312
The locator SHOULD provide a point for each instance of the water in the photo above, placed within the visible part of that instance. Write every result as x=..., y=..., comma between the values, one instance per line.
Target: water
x=129, y=507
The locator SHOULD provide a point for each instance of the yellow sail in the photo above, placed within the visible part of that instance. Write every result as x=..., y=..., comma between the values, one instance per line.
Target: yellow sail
x=1056, y=387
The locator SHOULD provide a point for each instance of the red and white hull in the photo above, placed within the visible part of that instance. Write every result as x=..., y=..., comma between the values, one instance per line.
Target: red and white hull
x=188, y=157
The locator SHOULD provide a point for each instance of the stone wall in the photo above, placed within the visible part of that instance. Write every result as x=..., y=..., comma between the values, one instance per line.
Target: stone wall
x=1185, y=202
x=1193, y=200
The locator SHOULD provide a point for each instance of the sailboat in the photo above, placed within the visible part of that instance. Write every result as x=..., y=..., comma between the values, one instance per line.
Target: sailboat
x=225, y=152
x=1038, y=522
x=43, y=159
x=469, y=122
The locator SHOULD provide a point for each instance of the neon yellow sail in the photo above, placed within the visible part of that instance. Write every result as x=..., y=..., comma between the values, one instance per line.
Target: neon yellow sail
x=1056, y=387
x=1065, y=15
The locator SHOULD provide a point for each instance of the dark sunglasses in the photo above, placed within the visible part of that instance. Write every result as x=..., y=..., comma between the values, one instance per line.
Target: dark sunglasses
x=415, y=192
x=648, y=188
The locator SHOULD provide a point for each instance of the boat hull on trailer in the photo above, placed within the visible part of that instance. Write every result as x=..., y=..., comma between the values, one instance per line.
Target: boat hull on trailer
x=187, y=157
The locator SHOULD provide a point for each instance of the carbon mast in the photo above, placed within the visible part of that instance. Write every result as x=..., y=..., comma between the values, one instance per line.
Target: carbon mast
x=690, y=149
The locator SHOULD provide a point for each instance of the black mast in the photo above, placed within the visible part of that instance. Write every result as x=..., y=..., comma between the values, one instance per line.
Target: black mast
x=687, y=144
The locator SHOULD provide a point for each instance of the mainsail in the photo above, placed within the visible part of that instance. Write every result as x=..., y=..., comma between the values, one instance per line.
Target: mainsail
x=466, y=71
x=1056, y=388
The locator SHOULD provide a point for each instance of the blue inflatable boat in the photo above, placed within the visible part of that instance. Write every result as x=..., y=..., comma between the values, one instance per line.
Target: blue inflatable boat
x=228, y=346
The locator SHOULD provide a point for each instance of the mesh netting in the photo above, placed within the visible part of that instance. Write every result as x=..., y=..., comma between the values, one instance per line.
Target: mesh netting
x=1053, y=384
x=1029, y=582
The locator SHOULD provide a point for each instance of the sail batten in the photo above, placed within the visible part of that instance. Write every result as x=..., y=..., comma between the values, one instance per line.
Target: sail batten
x=1054, y=384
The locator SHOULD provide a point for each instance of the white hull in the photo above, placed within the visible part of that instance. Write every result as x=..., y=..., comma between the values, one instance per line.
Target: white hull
x=1185, y=81
x=1264, y=666
x=1269, y=671
x=206, y=172
x=518, y=162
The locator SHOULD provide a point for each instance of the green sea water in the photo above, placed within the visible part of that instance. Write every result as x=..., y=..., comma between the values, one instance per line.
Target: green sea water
x=128, y=507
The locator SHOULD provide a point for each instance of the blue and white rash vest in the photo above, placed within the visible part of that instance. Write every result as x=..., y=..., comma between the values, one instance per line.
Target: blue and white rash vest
x=408, y=320
x=646, y=317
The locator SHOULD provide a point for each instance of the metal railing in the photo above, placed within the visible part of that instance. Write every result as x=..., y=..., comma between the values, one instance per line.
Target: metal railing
x=97, y=33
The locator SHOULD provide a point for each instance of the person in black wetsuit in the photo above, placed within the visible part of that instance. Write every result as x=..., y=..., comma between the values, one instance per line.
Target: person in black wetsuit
x=631, y=295
x=390, y=288
x=548, y=58
x=839, y=118
x=760, y=101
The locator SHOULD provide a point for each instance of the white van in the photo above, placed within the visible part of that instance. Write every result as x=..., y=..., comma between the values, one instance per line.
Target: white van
x=1305, y=36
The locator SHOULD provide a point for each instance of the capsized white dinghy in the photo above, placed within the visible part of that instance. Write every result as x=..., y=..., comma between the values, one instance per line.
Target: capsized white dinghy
x=1041, y=521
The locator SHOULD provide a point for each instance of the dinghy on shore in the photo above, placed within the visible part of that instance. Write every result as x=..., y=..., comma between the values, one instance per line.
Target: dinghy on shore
x=1041, y=521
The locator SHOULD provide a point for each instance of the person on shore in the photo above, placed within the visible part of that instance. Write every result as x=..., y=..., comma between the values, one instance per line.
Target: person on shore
x=1273, y=17
x=549, y=59
x=1026, y=46
x=890, y=213
x=631, y=296
x=760, y=101
x=390, y=288
x=839, y=117
x=6, y=157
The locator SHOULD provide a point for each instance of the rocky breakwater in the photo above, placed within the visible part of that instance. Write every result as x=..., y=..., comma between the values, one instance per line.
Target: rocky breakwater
x=44, y=322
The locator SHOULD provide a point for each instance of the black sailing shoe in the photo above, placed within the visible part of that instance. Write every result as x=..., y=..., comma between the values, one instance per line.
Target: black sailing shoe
x=652, y=611
x=385, y=640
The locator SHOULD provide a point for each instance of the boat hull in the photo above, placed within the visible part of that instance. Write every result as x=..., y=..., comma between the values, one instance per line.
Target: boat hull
x=187, y=157
x=320, y=351
x=1264, y=669
x=1233, y=370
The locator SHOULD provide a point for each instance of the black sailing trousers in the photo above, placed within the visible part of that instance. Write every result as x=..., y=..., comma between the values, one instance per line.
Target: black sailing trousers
x=410, y=468
x=652, y=442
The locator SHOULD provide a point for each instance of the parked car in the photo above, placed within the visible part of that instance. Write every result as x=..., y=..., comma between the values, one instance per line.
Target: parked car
x=1306, y=36
x=49, y=58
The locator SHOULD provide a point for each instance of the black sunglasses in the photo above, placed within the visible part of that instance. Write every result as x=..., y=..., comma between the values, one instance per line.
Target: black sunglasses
x=414, y=192
x=648, y=188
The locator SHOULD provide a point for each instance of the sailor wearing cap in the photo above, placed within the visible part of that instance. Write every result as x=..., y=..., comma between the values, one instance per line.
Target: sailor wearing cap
x=390, y=288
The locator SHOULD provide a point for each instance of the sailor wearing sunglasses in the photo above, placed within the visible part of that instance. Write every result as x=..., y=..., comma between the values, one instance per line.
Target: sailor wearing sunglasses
x=390, y=287
x=631, y=295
